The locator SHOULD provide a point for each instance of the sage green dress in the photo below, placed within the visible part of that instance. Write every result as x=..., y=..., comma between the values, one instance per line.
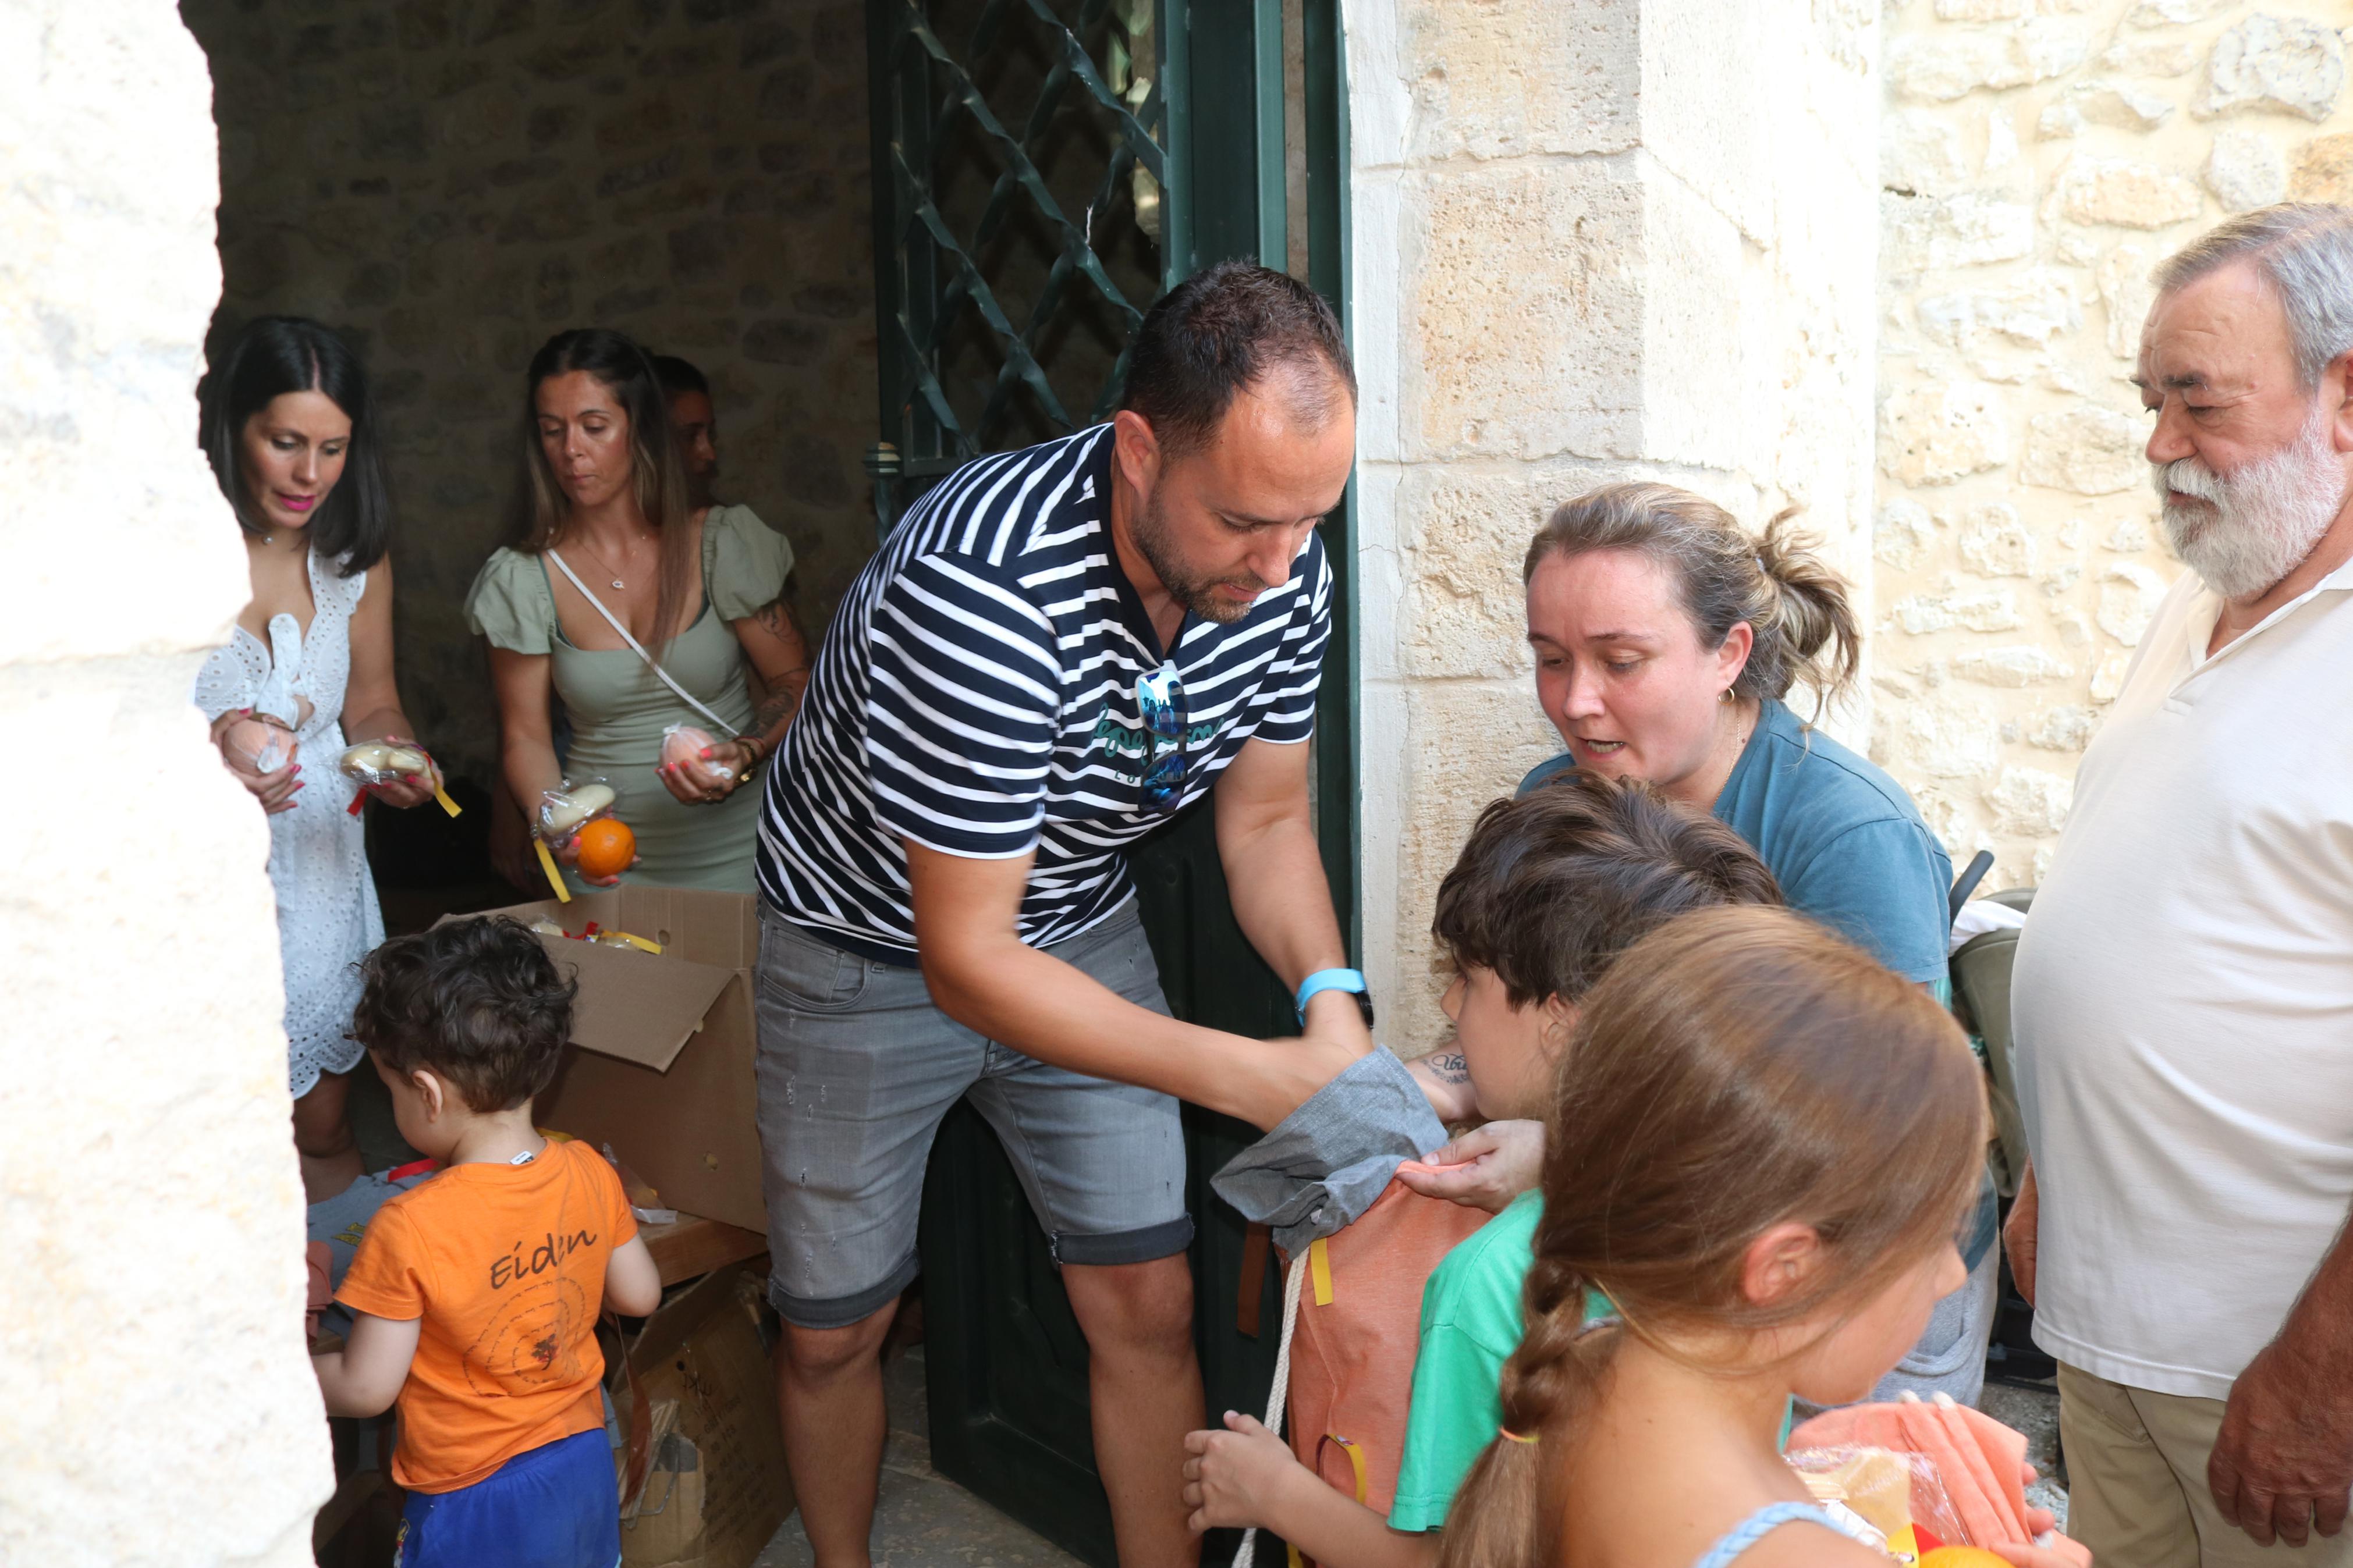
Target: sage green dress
x=619, y=709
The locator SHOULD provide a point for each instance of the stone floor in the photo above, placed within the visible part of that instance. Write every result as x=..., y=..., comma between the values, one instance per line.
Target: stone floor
x=2033, y=1409
x=923, y=1520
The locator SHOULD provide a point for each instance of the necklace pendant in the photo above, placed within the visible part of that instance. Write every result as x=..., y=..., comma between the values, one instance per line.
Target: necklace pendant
x=616, y=583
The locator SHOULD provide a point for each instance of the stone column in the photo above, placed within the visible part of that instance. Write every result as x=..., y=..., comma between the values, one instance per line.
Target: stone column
x=1630, y=238
x=160, y=1409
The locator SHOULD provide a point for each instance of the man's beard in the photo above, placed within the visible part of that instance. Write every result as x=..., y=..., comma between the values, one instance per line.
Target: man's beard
x=1196, y=594
x=2260, y=522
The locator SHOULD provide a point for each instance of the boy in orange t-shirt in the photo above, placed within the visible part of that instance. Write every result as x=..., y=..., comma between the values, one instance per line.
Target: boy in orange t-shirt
x=475, y=1296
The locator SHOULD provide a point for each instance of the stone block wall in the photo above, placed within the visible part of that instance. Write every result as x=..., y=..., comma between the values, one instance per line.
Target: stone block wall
x=450, y=181
x=2037, y=158
x=1623, y=239
x=161, y=1410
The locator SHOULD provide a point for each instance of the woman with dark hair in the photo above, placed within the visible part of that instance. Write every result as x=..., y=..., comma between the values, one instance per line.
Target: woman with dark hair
x=287, y=425
x=641, y=612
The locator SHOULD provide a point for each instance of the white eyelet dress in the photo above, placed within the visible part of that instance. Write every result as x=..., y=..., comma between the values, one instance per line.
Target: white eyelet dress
x=327, y=913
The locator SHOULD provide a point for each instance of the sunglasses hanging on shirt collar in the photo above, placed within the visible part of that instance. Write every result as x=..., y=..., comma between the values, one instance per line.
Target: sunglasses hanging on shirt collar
x=1160, y=704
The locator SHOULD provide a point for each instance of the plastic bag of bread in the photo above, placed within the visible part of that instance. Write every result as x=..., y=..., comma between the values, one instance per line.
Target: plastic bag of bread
x=1896, y=1492
x=372, y=764
x=563, y=811
x=1980, y=1465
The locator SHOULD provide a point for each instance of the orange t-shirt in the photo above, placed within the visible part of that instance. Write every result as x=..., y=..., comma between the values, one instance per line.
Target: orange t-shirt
x=506, y=1266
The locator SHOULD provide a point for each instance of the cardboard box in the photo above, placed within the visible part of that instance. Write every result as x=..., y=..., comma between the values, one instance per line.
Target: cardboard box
x=716, y=1490
x=662, y=1065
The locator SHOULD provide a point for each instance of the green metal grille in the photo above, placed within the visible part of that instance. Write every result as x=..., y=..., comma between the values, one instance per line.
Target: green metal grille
x=1018, y=242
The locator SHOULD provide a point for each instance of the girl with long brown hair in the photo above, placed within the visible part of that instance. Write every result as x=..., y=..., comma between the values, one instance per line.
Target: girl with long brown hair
x=1760, y=1146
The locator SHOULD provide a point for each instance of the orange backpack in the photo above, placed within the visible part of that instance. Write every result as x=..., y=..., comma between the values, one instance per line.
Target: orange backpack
x=1352, y=1347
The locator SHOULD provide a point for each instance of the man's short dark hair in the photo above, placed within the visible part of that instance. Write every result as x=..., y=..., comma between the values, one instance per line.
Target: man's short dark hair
x=677, y=375
x=476, y=1002
x=1223, y=329
x=1552, y=885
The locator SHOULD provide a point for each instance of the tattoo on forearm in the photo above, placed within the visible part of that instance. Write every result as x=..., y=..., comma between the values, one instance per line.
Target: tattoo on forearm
x=1449, y=1066
x=779, y=707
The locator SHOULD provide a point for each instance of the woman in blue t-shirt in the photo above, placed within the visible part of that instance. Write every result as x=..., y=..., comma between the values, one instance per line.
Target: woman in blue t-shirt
x=1666, y=639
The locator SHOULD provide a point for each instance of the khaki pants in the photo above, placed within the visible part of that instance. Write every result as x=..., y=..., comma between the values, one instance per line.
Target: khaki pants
x=2137, y=1483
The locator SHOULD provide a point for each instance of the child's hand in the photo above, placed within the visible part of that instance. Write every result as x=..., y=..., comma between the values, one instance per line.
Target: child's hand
x=1236, y=1477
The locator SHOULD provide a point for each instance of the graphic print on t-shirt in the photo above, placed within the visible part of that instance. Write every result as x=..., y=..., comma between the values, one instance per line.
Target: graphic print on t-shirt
x=535, y=1336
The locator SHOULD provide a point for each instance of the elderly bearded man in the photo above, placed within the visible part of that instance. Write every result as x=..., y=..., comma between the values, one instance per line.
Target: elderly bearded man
x=2184, y=988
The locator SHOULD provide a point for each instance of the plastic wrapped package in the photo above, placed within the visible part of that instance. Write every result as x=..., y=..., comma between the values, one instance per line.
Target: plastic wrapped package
x=1899, y=1495
x=684, y=745
x=266, y=741
x=561, y=811
x=376, y=764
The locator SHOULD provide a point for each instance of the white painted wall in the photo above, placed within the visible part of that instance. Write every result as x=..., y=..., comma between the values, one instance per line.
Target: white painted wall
x=155, y=1405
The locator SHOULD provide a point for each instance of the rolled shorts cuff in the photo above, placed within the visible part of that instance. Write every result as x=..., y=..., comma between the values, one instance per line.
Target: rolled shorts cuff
x=1164, y=1239
x=842, y=1312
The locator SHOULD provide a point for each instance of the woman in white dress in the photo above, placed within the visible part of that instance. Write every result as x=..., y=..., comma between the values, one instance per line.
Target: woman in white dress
x=287, y=428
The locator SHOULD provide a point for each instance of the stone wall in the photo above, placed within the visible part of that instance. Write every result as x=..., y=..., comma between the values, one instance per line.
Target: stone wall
x=449, y=182
x=1607, y=240
x=2038, y=156
x=159, y=1408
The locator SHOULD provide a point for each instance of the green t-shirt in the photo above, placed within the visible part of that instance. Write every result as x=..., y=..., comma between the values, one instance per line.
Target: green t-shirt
x=1470, y=1327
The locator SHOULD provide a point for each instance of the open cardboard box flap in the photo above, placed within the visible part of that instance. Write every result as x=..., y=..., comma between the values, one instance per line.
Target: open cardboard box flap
x=638, y=1006
x=665, y=1042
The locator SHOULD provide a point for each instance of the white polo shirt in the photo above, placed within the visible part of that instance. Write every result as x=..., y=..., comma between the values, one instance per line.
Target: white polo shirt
x=2183, y=1000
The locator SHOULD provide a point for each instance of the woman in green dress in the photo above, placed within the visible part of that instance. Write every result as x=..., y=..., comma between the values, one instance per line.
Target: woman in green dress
x=640, y=612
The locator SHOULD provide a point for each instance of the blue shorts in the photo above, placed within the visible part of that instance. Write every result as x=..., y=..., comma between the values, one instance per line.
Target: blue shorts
x=556, y=1506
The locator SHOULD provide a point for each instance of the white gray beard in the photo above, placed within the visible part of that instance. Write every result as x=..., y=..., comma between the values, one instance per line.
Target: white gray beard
x=2261, y=521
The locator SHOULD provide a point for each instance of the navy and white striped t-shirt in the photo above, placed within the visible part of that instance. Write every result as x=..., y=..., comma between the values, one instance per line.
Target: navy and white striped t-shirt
x=976, y=694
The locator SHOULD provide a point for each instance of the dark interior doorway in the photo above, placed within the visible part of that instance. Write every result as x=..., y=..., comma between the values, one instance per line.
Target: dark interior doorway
x=448, y=182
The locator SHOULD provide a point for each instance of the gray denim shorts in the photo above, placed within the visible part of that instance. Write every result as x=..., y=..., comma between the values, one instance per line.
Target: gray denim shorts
x=857, y=1066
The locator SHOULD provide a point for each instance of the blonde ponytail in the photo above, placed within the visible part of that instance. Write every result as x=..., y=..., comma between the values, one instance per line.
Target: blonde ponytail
x=1813, y=622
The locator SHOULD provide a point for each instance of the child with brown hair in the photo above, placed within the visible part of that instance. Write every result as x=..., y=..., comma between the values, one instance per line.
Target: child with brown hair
x=1760, y=1146
x=475, y=1296
x=1549, y=889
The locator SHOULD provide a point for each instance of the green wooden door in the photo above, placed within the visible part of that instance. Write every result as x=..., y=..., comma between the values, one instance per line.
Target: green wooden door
x=1044, y=170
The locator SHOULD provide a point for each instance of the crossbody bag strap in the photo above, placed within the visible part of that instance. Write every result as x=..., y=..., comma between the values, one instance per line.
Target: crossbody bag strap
x=638, y=648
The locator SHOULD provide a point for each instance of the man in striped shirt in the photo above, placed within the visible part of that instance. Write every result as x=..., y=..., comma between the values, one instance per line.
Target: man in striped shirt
x=1059, y=650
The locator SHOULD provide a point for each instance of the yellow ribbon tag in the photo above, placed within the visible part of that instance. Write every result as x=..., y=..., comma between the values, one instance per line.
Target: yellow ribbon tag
x=443, y=796
x=554, y=877
x=1319, y=1271
x=1356, y=1462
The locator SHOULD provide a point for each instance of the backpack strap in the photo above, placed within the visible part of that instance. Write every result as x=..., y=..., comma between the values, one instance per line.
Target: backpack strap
x=1258, y=1240
x=1278, y=1396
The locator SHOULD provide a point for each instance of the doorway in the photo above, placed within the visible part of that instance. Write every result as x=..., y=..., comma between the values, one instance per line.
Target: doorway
x=1043, y=169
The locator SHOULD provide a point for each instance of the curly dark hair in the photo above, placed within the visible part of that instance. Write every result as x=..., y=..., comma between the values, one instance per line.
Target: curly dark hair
x=1552, y=885
x=477, y=1002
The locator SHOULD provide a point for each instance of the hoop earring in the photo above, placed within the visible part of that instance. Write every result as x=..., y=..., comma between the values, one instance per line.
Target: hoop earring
x=1724, y=695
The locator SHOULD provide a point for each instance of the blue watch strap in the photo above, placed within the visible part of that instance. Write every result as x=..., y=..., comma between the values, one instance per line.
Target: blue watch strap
x=1327, y=980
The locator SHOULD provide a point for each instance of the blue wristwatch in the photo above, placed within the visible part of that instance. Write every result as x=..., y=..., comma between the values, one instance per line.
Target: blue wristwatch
x=1335, y=980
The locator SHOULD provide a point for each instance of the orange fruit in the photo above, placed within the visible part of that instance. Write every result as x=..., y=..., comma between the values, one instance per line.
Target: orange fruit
x=607, y=847
x=1963, y=1557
